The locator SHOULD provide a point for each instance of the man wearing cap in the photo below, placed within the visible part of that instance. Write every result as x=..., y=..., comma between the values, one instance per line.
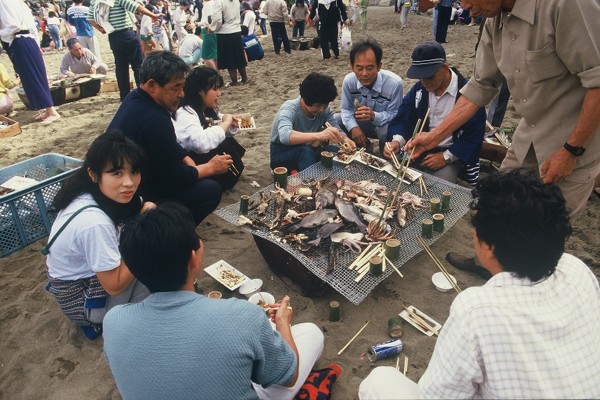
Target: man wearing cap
x=370, y=95
x=437, y=91
x=515, y=336
x=551, y=63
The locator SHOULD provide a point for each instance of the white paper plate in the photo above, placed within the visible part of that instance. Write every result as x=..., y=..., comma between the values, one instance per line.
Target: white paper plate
x=404, y=315
x=226, y=275
x=411, y=174
x=347, y=161
x=360, y=160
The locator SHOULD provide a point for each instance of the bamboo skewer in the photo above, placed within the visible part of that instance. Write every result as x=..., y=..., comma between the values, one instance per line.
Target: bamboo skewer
x=438, y=264
x=398, y=363
x=360, y=256
x=405, y=364
x=359, y=262
x=351, y=340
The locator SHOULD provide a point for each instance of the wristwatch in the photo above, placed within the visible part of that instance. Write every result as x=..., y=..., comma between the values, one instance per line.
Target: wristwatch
x=575, y=150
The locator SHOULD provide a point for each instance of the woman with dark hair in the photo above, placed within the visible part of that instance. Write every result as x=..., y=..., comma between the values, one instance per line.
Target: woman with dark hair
x=86, y=275
x=205, y=132
x=225, y=22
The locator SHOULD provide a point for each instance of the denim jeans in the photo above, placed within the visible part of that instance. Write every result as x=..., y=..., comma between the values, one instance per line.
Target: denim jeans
x=298, y=29
x=127, y=51
x=296, y=157
x=54, y=32
x=263, y=25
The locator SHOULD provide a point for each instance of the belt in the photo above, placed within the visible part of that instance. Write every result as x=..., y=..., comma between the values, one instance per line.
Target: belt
x=23, y=32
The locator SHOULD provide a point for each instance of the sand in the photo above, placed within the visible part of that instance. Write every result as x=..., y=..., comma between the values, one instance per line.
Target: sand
x=44, y=356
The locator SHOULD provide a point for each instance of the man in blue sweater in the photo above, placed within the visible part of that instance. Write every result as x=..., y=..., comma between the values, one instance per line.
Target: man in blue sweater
x=437, y=91
x=144, y=118
x=178, y=344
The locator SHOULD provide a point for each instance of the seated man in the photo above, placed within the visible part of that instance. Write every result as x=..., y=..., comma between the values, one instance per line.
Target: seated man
x=178, y=344
x=436, y=92
x=370, y=96
x=144, y=117
x=190, y=47
x=80, y=60
x=540, y=312
x=299, y=130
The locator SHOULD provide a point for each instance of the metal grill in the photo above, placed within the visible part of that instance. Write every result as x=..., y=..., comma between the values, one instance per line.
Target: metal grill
x=316, y=259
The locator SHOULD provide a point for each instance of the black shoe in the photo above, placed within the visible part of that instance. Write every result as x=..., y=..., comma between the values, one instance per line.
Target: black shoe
x=468, y=264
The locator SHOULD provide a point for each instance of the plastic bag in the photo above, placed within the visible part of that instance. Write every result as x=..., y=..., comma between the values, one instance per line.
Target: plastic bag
x=345, y=39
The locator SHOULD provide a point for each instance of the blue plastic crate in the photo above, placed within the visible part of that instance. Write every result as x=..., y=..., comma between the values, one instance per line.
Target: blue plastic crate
x=24, y=216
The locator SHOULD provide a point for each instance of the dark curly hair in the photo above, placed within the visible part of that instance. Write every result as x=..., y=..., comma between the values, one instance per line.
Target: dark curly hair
x=525, y=220
x=318, y=89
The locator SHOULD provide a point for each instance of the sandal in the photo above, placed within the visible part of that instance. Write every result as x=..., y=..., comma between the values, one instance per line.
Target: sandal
x=41, y=115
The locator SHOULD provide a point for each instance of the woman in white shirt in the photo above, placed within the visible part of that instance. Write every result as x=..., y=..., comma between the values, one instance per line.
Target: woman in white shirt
x=86, y=275
x=205, y=132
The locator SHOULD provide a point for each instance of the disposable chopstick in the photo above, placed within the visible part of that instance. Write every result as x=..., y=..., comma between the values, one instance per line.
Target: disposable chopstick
x=420, y=321
x=398, y=363
x=351, y=340
x=438, y=264
x=360, y=256
x=232, y=168
x=395, y=268
x=405, y=364
x=366, y=257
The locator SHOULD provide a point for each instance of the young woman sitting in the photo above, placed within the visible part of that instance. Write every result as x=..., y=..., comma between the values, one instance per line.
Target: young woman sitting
x=86, y=275
x=205, y=132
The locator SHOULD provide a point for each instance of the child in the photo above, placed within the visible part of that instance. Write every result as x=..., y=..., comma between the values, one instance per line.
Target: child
x=298, y=15
x=363, y=4
x=252, y=47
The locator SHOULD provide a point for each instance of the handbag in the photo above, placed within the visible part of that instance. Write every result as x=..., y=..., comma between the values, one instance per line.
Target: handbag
x=345, y=39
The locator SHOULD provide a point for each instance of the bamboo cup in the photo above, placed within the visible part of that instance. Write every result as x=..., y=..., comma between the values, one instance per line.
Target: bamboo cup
x=280, y=177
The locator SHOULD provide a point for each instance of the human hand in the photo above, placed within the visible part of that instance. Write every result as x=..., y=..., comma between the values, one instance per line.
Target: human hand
x=227, y=120
x=390, y=148
x=219, y=164
x=92, y=70
x=434, y=161
x=156, y=17
x=358, y=137
x=364, y=114
x=346, y=23
x=423, y=142
x=558, y=166
x=281, y=312
x=147, y=206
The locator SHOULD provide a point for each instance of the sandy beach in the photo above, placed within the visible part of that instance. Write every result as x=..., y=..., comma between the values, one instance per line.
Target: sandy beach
x=44, y=356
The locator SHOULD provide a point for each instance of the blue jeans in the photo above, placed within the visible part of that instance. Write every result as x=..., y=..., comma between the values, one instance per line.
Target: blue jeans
x=296, y=157
x=127, y=51
x=54, y=32
x=263, y=25
x=195, y=58
x=298, y=28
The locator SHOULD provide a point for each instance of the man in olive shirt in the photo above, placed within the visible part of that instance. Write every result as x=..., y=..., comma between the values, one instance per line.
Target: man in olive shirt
x=548, y=52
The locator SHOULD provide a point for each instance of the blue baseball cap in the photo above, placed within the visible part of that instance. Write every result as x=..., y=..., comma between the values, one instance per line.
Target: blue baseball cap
x=427, y=58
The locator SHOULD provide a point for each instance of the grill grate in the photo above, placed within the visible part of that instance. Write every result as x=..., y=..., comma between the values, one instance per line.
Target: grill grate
x=316, y=259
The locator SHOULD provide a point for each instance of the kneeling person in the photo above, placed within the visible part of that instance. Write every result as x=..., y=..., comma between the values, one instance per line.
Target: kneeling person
x=437, y=91
x=80, y=60
x=178, y=344
x=299, y=132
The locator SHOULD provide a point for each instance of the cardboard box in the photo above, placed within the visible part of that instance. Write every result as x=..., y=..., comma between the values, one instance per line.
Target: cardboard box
x=13, y=128
x=112, y=86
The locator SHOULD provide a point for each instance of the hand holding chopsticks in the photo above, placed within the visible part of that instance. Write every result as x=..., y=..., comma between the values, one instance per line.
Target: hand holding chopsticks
x=232, y=168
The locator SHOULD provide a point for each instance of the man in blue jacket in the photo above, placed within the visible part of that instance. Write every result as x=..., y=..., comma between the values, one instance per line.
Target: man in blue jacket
x=437, y=90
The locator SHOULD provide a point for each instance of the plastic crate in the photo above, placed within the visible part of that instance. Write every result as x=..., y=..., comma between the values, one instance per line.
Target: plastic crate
x=24, y=216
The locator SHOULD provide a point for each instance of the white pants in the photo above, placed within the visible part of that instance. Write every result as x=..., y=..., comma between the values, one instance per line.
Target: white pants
x=91, y=43
x=309, y=341
x=387, y=383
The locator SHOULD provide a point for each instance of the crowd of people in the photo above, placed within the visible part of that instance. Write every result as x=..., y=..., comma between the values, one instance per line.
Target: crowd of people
x=124, y=251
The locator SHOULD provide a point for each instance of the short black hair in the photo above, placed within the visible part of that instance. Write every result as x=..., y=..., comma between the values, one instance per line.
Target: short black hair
x=157, y=245
x=525, y=220
x=163, y=67
x=72, y=42
x=317, y=88
x=364, y=45
x=245, y=30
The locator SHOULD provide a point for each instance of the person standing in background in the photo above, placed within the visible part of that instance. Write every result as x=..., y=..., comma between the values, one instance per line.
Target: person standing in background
x=444, y=10
x=277, y=13
x=299, y=13
x=77, y=16
x=331, y=14
x=18, y=30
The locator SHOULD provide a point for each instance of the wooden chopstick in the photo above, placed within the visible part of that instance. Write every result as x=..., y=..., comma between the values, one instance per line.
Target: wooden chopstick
x=420, y=321
x=351, y=340
x=232, y=168
x=438, y=263
x=405, y=364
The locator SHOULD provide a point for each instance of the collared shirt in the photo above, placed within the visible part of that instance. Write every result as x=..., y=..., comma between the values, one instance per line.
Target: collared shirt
x=513, y=338
x=277, y=11
x=384, y=98
x=77, y=16
x=15, y=16
x=81, y=65
x=119, y=16
x=549, y=56
x=440, y=106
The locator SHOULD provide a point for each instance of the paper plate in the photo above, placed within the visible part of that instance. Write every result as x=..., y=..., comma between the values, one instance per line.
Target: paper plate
x=226, y=275
x=247, y=122
x=97, y=76
x=79, y=81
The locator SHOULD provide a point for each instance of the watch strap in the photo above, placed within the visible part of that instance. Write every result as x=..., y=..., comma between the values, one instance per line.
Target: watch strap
x=575, y=150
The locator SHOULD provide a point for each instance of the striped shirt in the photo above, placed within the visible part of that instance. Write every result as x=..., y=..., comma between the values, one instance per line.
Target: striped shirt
x=119, y=16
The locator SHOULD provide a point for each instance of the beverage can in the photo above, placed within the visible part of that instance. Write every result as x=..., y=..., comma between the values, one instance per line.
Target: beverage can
x=386, y=349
